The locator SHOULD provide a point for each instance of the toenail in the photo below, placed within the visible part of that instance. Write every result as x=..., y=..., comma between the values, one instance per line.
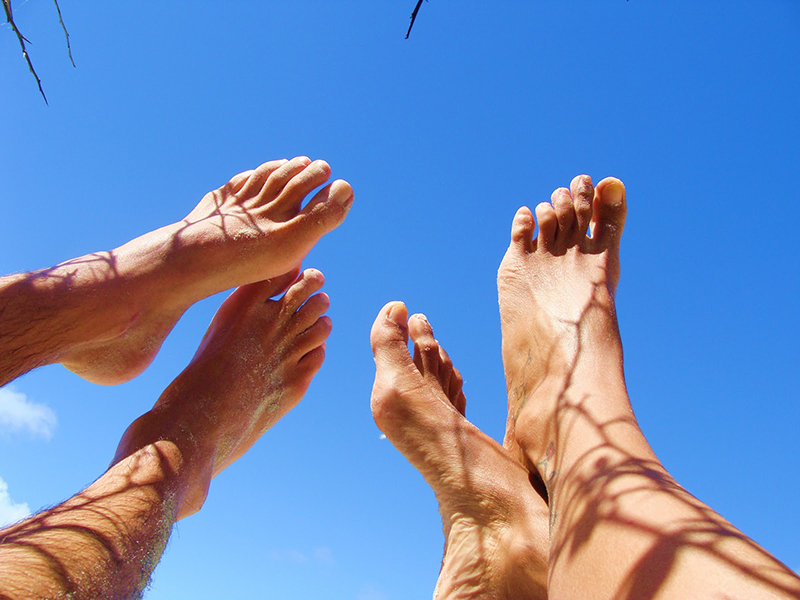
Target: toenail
x=397, y=313
x=341, y=192
x=614, y=192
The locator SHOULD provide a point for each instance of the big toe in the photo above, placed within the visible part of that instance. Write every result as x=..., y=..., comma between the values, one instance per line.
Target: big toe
x=389, y=337
x=608, y=212
x=404, y=407
x=328, y=208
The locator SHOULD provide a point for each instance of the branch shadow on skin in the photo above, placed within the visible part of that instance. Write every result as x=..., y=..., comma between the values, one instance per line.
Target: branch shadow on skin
x=614, y=489
x=104, y=542
x=494, y=523
x=18, y=355
x=104, y=316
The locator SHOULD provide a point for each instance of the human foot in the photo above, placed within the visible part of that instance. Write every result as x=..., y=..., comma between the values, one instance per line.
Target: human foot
x=495, y=524
x=556, y=296
x=621, y=526
x=252, y=229
x=253, y=366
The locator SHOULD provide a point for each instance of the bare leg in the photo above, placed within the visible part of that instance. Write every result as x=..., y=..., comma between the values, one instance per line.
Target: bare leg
x=621, y=527
x=495, y=524
x=254, y=364
x=105, y=315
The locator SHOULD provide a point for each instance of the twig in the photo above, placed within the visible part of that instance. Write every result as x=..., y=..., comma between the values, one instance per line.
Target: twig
x=413, y=17
x=66, y=34
x=22, y=40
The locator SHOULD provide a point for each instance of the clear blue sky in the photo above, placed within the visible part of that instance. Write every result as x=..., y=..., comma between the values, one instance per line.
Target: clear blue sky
x=488, y=106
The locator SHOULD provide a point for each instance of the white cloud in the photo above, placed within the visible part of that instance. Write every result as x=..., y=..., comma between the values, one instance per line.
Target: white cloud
x=10, y=512
x=17, y=413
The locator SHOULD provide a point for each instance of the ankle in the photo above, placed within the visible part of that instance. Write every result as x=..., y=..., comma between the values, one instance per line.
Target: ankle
x=187, y=447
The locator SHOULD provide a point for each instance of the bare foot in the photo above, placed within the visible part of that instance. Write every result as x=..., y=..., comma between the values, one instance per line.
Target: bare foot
x=495, y=524
x=253, y=366
x=252, y=229
x=556, y=297
x=621, y=526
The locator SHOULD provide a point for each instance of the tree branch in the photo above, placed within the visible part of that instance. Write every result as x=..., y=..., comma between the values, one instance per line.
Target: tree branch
x=22, y=40
x=413, y=17
x=66, y=34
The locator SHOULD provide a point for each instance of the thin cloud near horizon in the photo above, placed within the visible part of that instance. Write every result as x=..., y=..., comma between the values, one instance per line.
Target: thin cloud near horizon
x=18, y=413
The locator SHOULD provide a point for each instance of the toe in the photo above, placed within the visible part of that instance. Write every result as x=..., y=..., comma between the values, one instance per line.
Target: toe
x=275, y=286
x=328, y=208
x=310, y=281
x=582, y=195
x=445, y=371
x=565, y=215
x=456, y=393
x=312, y=310
x=548, y=223
x=389, y=337
x=522, y=229
x=265, y=175
x=426, y=348
x=608, y=213
x=253, y=179
x=278, y=179
x=312, y=362
x=302, y=184
x=313, y=337
x=395, y=372
x=418, y=422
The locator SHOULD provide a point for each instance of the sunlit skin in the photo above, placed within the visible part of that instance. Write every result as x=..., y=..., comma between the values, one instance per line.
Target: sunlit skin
x=104, y=316
x=494, y=522
x=621, y=527
x=253, y=366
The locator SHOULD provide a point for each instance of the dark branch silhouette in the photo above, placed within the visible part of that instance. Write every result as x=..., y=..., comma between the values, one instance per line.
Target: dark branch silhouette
x=413, y=17
x=22, y=40
x=66, y=33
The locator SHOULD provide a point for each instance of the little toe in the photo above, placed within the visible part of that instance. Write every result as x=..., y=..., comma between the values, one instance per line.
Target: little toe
x=565, y=215
x=254, y=178
x=608, y=213
x=451, y=382
x=548, y=224
x=237, y=182
x=582, y=194
x=522, y=229
x=309, y=281
x=426, y=348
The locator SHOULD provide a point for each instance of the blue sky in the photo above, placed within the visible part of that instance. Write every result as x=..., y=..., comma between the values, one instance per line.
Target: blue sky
x=488, y=106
